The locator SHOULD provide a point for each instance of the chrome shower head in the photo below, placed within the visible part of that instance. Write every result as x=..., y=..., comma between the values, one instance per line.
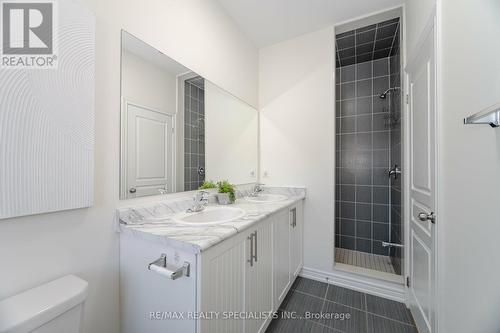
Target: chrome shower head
x=384, y=94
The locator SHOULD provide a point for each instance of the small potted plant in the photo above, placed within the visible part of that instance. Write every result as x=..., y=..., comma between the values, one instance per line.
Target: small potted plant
x=226, y=193
x=207, y=185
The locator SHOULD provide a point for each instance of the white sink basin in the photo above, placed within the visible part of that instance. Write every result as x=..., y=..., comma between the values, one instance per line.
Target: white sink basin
x=210, y=215
x=265, y=198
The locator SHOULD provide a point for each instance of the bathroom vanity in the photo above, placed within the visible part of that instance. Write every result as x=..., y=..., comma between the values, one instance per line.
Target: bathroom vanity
x=226, y=277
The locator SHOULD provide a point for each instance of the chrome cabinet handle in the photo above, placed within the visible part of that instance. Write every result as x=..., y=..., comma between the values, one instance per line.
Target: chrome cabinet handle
x=132, y=190
x=427, y=217
x=250, y=238
x=293, y=212
x=255, y=245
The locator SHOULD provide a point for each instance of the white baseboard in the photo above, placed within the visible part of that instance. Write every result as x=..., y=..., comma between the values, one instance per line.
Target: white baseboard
x=373, y=286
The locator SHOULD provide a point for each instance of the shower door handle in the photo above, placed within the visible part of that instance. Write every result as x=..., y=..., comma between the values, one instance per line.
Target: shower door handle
x=427, y=217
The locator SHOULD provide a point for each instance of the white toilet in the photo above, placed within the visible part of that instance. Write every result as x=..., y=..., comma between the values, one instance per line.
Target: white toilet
x=55, y=307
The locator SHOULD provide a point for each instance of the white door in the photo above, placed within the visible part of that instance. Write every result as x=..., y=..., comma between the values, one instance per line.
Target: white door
x=281, y=256
x=259, y=277
x=149, y=149
x=422, y=114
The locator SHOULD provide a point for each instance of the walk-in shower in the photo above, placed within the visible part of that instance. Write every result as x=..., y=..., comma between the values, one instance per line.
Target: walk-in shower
x=368, y=224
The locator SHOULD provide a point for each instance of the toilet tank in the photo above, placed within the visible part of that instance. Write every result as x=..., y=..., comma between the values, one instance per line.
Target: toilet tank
x=55, y=307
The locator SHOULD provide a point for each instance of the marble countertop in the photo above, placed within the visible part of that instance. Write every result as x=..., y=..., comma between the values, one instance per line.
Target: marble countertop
x=153, y=221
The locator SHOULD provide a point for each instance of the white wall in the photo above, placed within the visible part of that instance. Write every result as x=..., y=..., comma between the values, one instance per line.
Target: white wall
x=231, y=137
x=39, y=248
x=470, y=168
x=148, y=85
x=297, y=127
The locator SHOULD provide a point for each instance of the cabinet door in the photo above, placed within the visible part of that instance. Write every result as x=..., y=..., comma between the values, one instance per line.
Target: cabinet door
x=258, y=284
x=223, y=285
x=296, y=227
x=281, y=256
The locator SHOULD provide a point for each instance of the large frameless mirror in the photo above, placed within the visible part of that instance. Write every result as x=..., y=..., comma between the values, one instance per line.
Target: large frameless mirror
x=178, y=129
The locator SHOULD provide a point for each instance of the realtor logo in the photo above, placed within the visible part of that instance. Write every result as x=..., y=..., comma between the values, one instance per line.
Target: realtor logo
x=28, y=34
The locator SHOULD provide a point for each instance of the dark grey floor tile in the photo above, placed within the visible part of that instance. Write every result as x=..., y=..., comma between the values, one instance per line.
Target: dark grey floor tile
x=346, y=296
x=299, y=303
x=343, y=318
x=387, y=308
x=282, y=325
x=378, y=324
x=300, y=326
x=311, y=287
x=318, y=328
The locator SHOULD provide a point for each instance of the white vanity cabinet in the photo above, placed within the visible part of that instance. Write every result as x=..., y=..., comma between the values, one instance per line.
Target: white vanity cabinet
x=236, y=279
x=233, y=286
x=287, y=250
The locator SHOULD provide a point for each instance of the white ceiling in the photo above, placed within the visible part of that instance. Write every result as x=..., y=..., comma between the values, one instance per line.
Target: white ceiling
x=270, y=21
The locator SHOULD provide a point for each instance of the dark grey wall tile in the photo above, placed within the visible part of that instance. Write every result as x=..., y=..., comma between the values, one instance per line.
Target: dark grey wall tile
x=364, y=88
x=347, y=242
x=363, y=159
x=348, y=107
x=364, y=70
x=381, y=213
x=364, y=194
x=348, y=227
x=380, y=140
x=381, y=122
x=364, y=230
x=364, y=123
x=348, y=73
x=348, y=142
x=348, y=210
x=381, y=158
x=347, y=176
x=364, y=105
x=347, y=90
x=348, y=124
x=364, y=141
x=381, y=195
x=381, y=231
x=380, y=67
x=348, y=193
x=363, y=245
x=380, y=176
x=363, y=211
x=363, y=176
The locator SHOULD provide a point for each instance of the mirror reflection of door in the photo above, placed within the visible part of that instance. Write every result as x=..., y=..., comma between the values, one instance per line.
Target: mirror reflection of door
x=149, y=149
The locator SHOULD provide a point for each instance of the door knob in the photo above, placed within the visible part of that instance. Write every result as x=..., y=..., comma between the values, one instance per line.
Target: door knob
x=132, y=190
x=427, y=217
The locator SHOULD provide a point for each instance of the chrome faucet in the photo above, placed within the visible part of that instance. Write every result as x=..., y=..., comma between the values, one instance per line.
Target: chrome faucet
x=257, y=189
x=395, y=171
x=200, y=201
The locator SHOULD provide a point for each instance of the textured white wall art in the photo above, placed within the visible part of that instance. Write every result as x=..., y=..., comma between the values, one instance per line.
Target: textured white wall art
x=47, y=123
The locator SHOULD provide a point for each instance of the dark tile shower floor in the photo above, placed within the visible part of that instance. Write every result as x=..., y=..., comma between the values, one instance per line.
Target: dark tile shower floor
x=366, y=313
